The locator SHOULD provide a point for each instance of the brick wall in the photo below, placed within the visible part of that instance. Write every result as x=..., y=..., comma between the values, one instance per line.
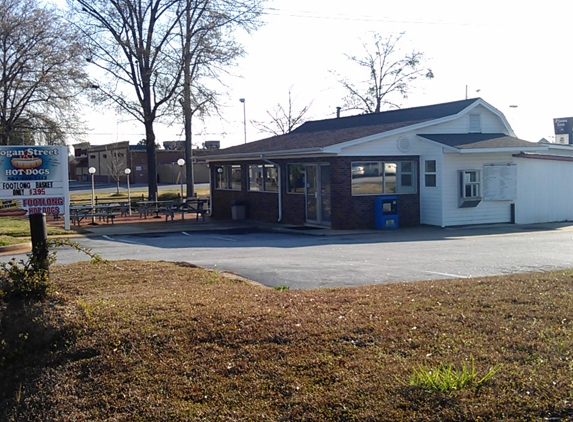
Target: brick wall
x=348, y=212
x=357, y=212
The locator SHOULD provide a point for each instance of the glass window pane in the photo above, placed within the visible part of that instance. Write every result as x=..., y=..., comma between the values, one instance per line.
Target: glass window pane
x=295, y=178
x=430, y=180
x=366, y=178
x=236, y=177
x=221, y=176
x=430, y=166
x=390, y=168
x=390, y=184
x=255, y=177
x=271, y=178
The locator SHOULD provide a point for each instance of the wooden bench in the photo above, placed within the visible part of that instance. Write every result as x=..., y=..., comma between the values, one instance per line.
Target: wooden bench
x=77, y=218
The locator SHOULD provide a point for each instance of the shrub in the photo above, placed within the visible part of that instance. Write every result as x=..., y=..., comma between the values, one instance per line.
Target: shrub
x=31, y=278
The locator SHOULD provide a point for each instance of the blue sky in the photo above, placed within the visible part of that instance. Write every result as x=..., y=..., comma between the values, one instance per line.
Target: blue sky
x=515, y=54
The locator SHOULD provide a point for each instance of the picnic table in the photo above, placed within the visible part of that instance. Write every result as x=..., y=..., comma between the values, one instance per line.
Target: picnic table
x=191, y=205
x=104, y=212
x=153, y=207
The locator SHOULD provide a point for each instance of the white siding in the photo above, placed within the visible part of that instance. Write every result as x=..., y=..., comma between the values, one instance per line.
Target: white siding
x=486, y=212
x=384, y=146
x=431, y=198
x=439, y=205
x=544, y=191
x=490, y=123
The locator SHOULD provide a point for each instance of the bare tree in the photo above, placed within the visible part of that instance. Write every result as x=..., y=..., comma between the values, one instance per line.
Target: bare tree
x=389, y=73
x=42, y=74
x=138, y=46
x=208, y=48
x=117, y=163
x=283, y=120
x=133, y=47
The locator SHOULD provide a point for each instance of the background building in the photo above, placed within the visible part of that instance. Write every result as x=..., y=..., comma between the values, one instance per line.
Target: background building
x=111, y=160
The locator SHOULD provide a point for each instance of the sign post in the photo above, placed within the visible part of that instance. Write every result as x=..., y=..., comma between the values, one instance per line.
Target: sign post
x=34, y=180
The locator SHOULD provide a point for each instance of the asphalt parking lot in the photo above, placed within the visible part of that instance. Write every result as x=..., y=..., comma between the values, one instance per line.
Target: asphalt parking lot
x=303, y=259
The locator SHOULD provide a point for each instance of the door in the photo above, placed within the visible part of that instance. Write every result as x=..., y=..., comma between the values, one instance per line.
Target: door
x=317, y=193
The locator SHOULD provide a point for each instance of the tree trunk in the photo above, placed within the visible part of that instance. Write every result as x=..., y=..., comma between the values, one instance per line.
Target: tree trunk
x=151, y=161
x=187, y=111
x=189, y=155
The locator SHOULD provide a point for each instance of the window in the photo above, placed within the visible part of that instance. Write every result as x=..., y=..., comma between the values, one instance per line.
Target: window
x=295, y=178
x=376, y=177
x=271, y=182
x=364, y=182
x=263, y=177
x=474, y=123
x=228, y=177
x=430, y=175
x=236, y=177
x=470, y=184
x=406, y=182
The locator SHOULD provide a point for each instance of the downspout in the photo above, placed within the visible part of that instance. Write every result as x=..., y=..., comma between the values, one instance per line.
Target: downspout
x=210, y=191
x=280, y=184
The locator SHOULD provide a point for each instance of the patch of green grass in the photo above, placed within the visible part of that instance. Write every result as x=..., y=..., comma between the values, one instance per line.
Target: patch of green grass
x=446, y=378
x=17, y=230
x=11, y=240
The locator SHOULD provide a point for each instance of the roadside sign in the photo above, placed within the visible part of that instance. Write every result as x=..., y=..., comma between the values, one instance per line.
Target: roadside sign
x=34, y=180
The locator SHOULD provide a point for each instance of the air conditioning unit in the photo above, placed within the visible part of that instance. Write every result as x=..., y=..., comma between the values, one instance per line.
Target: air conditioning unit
x=212, y=144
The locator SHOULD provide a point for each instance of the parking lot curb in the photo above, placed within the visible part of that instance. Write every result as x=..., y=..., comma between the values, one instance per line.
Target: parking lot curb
x=17, y=248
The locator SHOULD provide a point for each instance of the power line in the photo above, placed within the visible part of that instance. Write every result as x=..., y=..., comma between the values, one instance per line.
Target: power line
x=344, y=17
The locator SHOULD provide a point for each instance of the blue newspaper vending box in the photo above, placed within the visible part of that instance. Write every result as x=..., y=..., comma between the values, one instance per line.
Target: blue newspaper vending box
x=386, y=212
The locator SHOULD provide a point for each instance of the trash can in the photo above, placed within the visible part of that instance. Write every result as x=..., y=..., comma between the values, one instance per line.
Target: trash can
x=386, y=212
x=238, y=210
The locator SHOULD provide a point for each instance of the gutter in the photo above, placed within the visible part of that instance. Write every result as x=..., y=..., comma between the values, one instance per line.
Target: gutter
x=543, y=156
x=210, y=193
x=250, y=155
x=279, y=186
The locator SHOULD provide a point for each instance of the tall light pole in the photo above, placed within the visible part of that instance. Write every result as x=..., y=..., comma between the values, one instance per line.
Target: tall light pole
x=244, y=118
x=92, y=171
x=181, y=163
x=127, y=173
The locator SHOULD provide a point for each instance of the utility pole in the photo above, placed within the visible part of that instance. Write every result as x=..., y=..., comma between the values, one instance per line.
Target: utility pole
x=244, y=118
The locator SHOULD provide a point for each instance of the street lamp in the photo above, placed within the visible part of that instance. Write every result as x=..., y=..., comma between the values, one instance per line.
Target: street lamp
x=181, y=163
x=127, y=173
x=92, y=171
x=244, y=118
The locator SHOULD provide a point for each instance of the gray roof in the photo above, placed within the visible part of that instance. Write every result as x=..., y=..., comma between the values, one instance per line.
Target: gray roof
x=319, y=134
x=479, y=140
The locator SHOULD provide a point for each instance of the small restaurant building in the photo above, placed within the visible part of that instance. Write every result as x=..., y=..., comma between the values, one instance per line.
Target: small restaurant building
x=447, y=164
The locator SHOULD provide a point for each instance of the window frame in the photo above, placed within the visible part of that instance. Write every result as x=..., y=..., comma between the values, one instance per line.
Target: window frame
x=265, y=184
x=431, y=173
x=358, y=169
x=465, y=184
x=227, y=182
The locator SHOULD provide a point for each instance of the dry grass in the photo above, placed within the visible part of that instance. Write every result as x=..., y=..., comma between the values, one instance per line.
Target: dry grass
x=156, y=341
